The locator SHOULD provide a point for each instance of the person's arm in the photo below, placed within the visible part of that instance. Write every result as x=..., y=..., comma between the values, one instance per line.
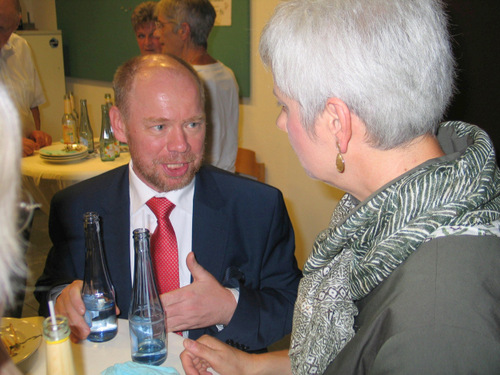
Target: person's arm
x=207, y=352
x=36, y=117
x=266, y=298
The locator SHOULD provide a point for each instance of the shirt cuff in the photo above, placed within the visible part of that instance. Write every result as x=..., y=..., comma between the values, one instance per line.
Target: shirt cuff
x=236, y=294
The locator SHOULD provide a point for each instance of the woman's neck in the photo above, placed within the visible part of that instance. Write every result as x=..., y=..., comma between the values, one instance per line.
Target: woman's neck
x=378, y=167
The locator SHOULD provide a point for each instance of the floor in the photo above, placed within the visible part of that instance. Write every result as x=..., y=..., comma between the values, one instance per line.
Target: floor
x=37, y=253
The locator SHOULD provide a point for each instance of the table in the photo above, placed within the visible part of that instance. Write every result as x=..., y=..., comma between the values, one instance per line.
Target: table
x=92, y=358
x=43, y=179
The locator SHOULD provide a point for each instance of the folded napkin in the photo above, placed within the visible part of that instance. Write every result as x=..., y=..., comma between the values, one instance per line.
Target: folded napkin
x=133, y=368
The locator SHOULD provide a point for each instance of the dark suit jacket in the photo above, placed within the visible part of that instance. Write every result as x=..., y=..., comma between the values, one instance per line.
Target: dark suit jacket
x=241, y=234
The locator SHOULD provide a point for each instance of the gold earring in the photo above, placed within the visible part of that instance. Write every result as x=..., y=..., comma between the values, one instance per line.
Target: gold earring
x=340, y=161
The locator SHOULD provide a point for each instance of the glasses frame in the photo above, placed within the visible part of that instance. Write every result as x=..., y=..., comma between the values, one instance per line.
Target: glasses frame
x=160, y=25
x=26, y=208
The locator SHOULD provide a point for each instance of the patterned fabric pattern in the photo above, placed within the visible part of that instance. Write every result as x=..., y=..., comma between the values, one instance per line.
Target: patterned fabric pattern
x=364, y=244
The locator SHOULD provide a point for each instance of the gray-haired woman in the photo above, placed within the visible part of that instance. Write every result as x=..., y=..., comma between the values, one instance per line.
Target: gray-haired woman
x=405, y=279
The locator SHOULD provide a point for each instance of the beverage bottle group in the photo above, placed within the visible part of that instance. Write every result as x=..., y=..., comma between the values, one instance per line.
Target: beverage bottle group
x=146, y=315
x=98, y=293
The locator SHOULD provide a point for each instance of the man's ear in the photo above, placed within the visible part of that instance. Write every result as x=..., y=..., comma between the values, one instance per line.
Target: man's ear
x=340, y=122
x=117, y=124
x=184, y=31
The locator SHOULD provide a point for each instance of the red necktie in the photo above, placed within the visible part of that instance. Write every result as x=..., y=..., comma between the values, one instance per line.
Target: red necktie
x=164, y=246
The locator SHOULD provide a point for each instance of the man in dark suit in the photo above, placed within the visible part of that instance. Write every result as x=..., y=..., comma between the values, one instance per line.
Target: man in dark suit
x=242, y=280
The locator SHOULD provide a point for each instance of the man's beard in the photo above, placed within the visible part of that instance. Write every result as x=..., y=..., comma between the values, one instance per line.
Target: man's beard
x=154, y=177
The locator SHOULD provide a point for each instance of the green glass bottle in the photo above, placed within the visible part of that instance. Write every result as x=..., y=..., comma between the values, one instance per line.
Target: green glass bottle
x=86, y=133
x=107, y=139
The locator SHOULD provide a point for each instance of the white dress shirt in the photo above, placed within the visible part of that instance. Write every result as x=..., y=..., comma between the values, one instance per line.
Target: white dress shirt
x=18, y=73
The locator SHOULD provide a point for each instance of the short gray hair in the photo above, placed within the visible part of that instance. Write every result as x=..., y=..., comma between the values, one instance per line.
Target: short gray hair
x=390, y=61
x=198, y=14
x=11, y=261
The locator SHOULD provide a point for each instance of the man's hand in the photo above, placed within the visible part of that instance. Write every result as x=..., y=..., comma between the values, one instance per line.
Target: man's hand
x=203, y=303
x=29, y=147
x=70, y=304
x=41, y=138
x=36, y=140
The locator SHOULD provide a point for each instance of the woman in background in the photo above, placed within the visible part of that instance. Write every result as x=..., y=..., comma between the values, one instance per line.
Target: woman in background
x=11, y=262
x=405, y=279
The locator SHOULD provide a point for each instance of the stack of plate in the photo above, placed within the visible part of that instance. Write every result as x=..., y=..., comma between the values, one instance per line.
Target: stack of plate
x=60, y=153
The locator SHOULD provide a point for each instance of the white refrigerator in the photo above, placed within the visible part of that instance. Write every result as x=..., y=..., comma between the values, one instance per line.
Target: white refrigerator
x=47, y=48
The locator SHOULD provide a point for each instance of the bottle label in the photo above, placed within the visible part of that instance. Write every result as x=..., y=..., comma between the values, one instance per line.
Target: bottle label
x=58, y=341
x=69, y=134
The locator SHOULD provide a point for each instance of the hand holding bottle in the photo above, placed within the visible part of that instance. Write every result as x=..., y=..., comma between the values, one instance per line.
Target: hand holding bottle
x=70, y=304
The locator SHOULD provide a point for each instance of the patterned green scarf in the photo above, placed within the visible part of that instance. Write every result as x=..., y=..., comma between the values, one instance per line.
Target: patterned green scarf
x=365, y=242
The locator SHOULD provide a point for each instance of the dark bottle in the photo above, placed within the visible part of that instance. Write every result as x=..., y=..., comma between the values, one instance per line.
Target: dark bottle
x=98, y=293
x=86, y=133
x=146, y=316
x=107, y=139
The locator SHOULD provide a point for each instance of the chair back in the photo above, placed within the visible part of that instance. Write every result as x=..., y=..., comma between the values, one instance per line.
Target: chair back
x=246, y=164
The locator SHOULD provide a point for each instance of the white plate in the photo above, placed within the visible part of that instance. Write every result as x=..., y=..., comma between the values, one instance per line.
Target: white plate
x=58, y=151
x=62, y=160
x=24, y=330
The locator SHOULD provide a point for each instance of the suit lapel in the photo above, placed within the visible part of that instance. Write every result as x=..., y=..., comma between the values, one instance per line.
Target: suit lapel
x=116, y=230
x=210, y=224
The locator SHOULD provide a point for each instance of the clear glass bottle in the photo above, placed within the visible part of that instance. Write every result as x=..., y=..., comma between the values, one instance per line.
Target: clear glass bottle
x=70, y=136
x=74, y=112
x=86, y=133
x=107, y=139
x=146, y=316
x=109, y=103
x=58, y=352
x=98, y=293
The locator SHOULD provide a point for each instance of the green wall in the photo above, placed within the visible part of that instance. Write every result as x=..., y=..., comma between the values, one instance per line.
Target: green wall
x=98, y=37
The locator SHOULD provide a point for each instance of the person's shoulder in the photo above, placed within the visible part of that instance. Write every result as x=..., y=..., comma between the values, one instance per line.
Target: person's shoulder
x=232, y=181
x=96, y=186
x=18, y=41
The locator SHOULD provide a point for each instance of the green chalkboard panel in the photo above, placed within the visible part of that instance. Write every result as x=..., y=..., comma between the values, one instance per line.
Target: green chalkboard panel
x=98, y=37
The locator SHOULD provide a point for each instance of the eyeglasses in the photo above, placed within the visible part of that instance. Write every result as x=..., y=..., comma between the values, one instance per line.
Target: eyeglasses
x=160, y=25
x=26, y=208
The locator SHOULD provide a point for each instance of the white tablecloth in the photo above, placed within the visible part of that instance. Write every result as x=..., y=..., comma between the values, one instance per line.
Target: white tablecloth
x=43, y=179
x=93, y=358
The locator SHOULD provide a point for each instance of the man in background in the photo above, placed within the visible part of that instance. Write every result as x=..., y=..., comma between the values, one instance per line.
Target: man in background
x=19, y=75
x=183, y=27
x=143, y=22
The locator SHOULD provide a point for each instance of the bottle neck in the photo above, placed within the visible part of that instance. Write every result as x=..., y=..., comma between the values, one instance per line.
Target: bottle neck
x=67, y=107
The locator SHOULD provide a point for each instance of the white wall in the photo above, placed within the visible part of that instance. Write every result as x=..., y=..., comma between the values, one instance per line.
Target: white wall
x=309, y=202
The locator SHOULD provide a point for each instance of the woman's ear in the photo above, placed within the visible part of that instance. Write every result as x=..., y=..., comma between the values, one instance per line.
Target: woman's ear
x=340, y=122
x=117, y=124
